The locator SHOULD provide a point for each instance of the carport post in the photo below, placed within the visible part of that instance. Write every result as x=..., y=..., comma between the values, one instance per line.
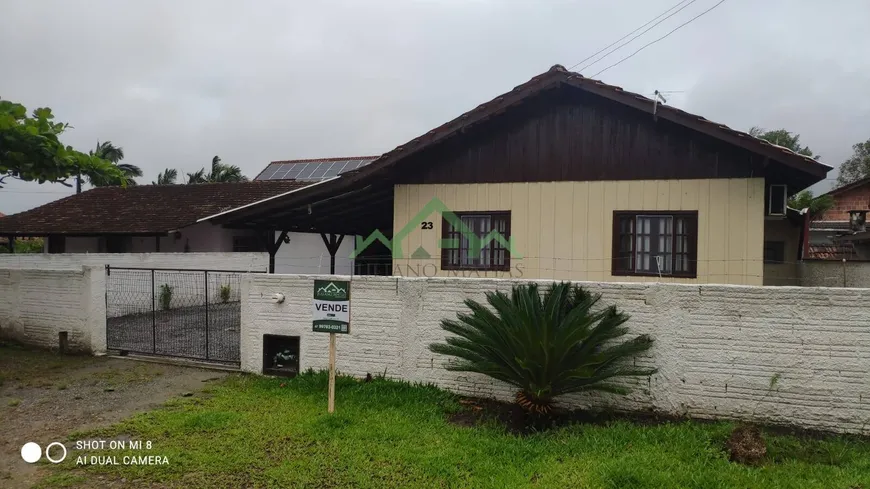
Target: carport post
x=272, y=246
x=332, y=245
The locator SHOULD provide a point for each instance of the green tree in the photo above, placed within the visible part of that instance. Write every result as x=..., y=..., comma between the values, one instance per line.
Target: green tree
x=857, y=166
x=30, y=149
x=783, y=138
x=816, y=205
x=544, y=345
x=168, y=177
x=27, y=245
x=220, y=173
x=108, y=151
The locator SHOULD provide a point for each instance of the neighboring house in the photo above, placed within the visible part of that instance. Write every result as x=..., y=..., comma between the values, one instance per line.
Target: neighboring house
x=163, y=218
x=563, y=177
x=832, y=236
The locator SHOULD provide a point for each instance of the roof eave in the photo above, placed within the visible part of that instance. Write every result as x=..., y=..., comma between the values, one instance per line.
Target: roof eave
x=262, y=201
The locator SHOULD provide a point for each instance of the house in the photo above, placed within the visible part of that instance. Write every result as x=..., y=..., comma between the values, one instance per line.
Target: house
x=562, y=177
x=833, y=234
x=164, y=218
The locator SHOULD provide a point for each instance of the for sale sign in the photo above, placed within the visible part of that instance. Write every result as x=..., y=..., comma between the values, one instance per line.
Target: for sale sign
x=331, y=306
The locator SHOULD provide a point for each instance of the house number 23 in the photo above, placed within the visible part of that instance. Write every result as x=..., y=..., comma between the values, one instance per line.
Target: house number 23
x=426, y=225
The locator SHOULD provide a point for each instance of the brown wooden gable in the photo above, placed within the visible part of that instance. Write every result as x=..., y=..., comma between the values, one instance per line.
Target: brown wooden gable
x=565, y=134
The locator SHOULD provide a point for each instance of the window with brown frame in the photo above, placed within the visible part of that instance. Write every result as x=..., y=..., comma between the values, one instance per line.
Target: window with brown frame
x=491, y=232
x=655, y=243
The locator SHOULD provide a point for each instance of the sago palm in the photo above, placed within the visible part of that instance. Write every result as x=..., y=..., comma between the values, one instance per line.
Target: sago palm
x=545, y=345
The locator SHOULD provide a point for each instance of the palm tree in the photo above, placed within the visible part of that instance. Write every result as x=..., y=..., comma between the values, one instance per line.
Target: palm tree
x=167, y=177
x=816, y=205
x=108, y=151
x=220, y=173
x=545, y=346
x=198, y=176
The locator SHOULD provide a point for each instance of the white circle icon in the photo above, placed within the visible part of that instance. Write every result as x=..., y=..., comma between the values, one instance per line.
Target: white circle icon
x=31, y=452
x=55, y=460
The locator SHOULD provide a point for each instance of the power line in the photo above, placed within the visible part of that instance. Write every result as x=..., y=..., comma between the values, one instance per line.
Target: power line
x=637, y=36
x=659, y=39
x=623, y=37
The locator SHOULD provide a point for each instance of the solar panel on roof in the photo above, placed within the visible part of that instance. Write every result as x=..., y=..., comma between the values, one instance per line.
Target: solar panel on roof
x=307, y=169
x=276, y=169
x=319, y=171
x=311, y=170
x=293, y=172
x=333, y=169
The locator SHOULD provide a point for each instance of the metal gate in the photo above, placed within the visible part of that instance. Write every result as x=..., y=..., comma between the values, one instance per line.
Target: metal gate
x=193, y=314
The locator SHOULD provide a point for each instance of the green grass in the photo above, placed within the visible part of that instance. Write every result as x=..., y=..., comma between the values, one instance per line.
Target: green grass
x=251, y=432
x=37, y=368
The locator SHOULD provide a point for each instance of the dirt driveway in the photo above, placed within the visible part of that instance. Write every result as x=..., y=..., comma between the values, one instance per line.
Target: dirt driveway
x=45, y=397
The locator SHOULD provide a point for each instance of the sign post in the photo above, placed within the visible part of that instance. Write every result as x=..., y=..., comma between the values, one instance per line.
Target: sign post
x=331, y=315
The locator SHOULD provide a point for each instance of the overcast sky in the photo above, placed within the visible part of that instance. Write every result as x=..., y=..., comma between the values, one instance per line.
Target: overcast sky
x=177, y=82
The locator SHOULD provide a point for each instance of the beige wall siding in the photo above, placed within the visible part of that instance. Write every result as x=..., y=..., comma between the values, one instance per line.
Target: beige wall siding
x=563, y=230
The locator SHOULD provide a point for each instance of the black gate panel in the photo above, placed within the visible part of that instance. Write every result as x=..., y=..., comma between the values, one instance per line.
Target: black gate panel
x=192, y=314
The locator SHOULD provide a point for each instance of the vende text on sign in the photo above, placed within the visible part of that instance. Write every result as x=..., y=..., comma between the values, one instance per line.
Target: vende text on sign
x=331, y=306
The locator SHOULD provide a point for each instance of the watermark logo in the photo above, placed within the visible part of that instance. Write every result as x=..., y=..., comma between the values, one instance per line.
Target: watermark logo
x=471, y=241
x=31, y=452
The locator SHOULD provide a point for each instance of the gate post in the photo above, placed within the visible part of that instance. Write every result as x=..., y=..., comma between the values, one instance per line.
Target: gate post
x=206, y=314
x=153, y=316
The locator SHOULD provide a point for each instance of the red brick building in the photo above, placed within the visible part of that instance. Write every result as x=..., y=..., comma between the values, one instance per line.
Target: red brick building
x=825, y=231
x=855, y=196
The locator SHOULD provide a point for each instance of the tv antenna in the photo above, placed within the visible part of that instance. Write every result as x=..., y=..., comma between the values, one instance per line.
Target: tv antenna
x=657, y=96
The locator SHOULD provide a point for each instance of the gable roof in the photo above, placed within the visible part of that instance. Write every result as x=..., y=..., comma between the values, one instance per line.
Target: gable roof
x=141, y=209
x=848, y=186
x=809, y=170
x=558, y=75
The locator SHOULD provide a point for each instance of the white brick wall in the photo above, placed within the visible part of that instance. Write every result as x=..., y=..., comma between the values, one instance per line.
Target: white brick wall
x=254, y=262
x=717, y=347
x=37, y=304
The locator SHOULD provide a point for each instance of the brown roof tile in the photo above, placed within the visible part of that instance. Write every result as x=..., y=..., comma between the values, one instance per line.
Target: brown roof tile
x=831, y=251
x=139, y=209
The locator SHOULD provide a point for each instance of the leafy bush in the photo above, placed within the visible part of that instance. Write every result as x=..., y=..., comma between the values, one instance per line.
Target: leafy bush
x=545, y=346
x=25, y=245
x=225, y=293
x=165, y=297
